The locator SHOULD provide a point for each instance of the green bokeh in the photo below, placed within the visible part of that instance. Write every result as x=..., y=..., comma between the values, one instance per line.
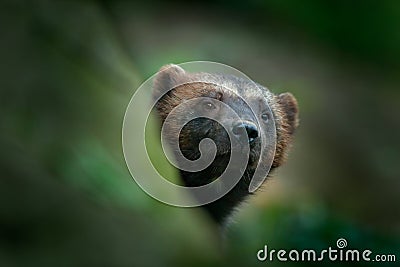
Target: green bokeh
x=69, y=69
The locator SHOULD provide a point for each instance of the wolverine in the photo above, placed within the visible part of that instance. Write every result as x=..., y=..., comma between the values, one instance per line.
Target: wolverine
x=174, y=86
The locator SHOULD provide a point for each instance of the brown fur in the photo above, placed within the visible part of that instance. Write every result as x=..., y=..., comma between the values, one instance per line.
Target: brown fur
x=286, y=121
x=193, y=85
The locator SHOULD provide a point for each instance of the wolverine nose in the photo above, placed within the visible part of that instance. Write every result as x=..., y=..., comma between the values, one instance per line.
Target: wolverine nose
x=249, y=127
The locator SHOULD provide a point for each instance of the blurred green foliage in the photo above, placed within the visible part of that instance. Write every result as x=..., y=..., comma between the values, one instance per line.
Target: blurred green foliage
x=69, y=69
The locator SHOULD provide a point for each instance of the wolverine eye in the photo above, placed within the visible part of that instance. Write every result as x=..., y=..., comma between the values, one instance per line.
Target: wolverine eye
x=265, y=116
x=209, y=106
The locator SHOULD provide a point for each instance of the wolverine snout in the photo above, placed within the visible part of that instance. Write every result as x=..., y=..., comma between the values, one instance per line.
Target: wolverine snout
x=246, y=127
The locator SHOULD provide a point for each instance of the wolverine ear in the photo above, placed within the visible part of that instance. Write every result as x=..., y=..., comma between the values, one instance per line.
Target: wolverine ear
x=290, y=110
x=167, y=78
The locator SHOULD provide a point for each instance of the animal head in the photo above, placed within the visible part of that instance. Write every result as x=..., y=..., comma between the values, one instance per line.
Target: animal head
x=214, y=92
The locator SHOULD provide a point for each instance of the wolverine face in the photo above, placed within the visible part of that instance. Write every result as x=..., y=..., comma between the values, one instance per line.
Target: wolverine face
x=218, y=104
x=257, y=113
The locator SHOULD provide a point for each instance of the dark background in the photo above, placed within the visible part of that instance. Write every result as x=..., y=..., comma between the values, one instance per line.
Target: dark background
x=69, y=68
